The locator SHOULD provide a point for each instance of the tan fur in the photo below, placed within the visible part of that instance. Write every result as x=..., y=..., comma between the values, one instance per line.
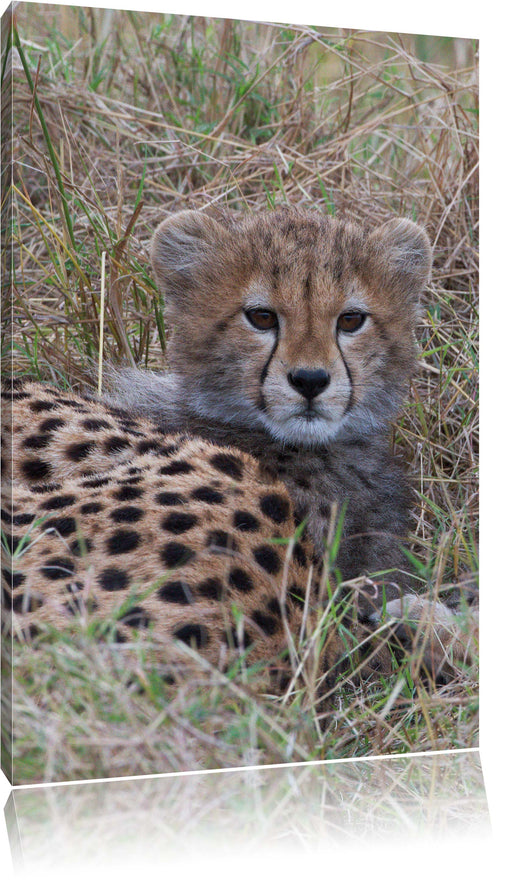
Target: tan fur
x=173, y=504
x=117, y=525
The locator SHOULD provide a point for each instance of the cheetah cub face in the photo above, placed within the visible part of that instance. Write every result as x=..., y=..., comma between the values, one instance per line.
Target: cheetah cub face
x=291, y=321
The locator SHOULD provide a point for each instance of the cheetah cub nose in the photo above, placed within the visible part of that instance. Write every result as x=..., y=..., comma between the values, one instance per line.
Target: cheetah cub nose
x=310, y=382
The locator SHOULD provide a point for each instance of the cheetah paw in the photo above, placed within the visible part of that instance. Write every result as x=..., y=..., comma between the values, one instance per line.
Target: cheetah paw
x=435, y=637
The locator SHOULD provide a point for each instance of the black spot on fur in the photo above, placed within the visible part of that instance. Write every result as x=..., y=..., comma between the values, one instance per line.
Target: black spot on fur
x=299, y=554
x=135, y=433
x=268, y=559
x=118, y=412
x=12, y=542
x=114, y=444
x=30, y=632
x=112, y=579
x=275, y=608
x=169, y=499
x=75, y=587
x=174, y=554
x=193, y=634
x=245, y=521
x=57, y=568
x=79, y=451
x=211, y=588
x=15, y=396
x=240, y=580
x=95, y=482
x=132, y=479
x=15, y=580
x=220, y=541
x=78, y=604
x=93, y=424
x=64, y=526
x=235, y=639
x=168, y=450
x=136, y=618
x=179, y=467
x=26, y=603
x=297, y=594
x=229, y=465
x=128, y=514
x=39, y=406
x=276, y=507
x=179, y=522
x=36, y=470
x=207, y=495
x=148, y=445
x=176, y=592
x=23, y=518
x=45, y=488
x=90, y=508
x=73, y=403
x=59, y=502
x=52, y=423
x=81, y=546
x=122, y=541
x=36, y=442
x=127, y=493
x=267, y=624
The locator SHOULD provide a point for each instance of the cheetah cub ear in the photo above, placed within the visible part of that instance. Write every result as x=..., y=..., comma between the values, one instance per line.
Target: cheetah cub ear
x=182, y=247
x=401, y=256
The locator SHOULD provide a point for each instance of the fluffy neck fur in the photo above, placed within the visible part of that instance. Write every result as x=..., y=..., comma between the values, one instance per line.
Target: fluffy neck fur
x=168, y=399
x=358, y=469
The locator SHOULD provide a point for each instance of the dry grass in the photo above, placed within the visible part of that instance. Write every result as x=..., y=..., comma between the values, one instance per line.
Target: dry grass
x=121, y=117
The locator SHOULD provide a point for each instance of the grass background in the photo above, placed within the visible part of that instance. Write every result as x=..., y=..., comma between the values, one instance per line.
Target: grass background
x=119, y=118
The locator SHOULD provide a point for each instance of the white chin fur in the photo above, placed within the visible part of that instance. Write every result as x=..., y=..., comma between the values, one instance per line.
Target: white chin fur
x=298, y=430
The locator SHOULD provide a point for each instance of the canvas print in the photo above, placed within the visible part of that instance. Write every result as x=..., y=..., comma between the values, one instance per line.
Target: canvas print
x=239, y=407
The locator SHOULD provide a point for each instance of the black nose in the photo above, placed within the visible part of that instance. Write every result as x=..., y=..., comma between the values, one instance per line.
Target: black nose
x=310, y=382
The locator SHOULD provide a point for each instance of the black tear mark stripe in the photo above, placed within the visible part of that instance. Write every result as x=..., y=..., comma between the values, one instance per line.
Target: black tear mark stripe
x=349, y=375
x=262, y=405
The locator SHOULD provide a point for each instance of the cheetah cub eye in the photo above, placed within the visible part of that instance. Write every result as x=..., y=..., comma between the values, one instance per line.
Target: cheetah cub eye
x=351, y=321
x=262, y=319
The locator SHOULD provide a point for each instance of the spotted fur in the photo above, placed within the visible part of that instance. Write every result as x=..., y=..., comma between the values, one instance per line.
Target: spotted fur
x=175, y=504
x=105, y=514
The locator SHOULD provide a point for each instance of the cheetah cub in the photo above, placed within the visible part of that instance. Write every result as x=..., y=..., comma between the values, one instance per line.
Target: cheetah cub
x=293, y=339
x=171, y=503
